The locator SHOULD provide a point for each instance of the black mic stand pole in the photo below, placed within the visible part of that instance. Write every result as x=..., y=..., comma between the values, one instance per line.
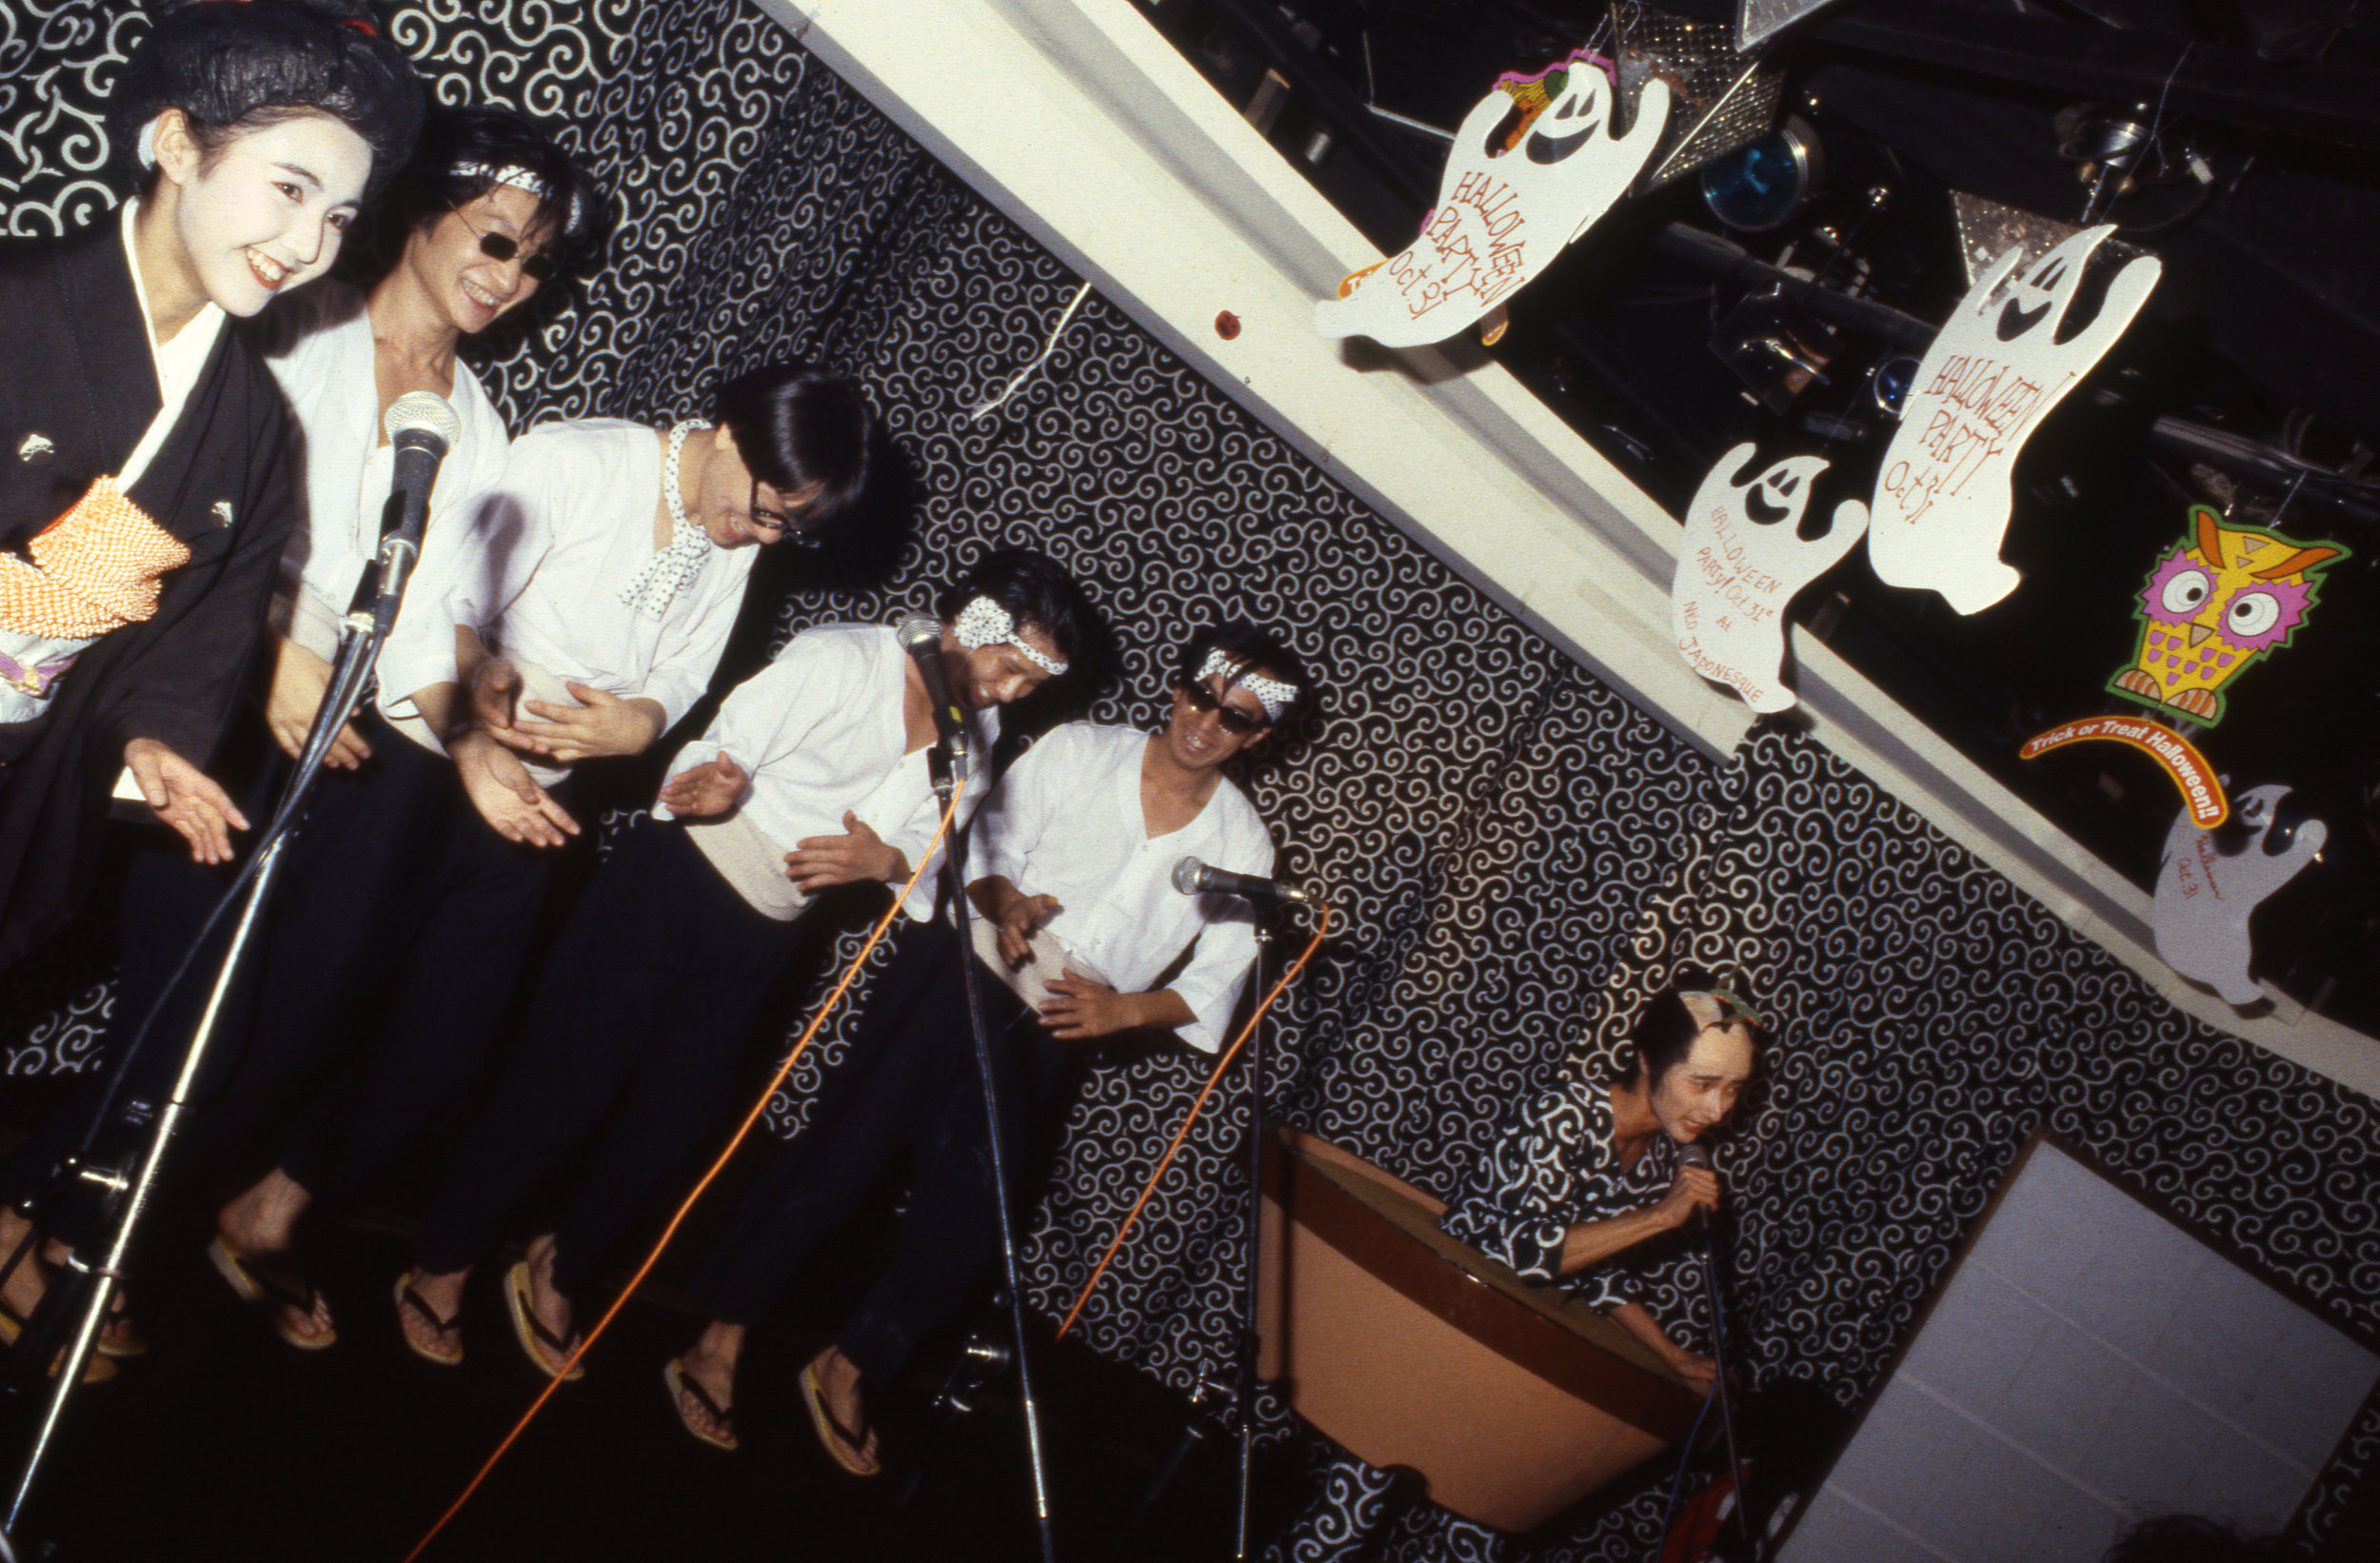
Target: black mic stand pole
x=1719, y=1381
x=358, y=652
x=1248, y=1321
x=953, y=869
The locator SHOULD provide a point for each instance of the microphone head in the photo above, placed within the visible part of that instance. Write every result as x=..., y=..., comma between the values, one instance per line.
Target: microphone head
x=1186, y=875
x=919, y=630
x=1694, y=1154
x=419, y=414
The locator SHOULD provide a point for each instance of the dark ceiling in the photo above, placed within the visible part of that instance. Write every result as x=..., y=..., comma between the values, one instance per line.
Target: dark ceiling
x=2248, y=383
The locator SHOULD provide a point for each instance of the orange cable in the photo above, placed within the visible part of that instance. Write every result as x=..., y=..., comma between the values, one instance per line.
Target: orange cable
x=758, y=1107
x=1191, y=1117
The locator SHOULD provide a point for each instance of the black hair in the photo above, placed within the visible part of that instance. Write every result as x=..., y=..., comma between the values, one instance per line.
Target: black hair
x=795, y=426
x=1251, y=647
x=1035, y=589
x=571, y=215
x=243, y=66
x=1666, y=1028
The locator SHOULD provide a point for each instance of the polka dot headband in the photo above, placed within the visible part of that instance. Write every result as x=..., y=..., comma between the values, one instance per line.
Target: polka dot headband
x=983, y=622
x=1272, y=693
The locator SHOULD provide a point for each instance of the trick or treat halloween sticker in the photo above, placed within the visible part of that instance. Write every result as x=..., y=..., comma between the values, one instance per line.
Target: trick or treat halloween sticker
x=2224, y=600
x=1743, y=560
x=2004, y=360
x=1508, y=203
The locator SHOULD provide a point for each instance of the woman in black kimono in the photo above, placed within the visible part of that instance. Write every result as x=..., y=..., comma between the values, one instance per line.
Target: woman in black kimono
x=1590, y=1169
x=144, y=482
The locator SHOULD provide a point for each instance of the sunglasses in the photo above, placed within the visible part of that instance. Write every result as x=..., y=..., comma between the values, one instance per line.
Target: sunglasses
x=787, y=529
x=1734, y=1008
x=1231, y=719
x=501, y=248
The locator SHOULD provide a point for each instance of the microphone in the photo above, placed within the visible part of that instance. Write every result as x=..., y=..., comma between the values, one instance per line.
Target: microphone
x=922, y=638
x=422, y=428
x=1695, y=1154
x=1192, y=877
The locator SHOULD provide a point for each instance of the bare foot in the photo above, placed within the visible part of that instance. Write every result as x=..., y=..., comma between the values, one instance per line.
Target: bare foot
x=831, y=1387
x=255, y=1230
x=545, y=1311
x=429, y=1311
x=26, y=1282
x=709, y=1366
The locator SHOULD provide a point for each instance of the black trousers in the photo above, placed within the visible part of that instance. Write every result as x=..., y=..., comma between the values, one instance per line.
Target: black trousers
x=375, y=987
x=907, y=1091
x=637, y=1036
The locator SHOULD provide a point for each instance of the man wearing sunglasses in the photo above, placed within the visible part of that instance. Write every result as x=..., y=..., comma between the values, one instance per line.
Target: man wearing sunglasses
x=1081, y=937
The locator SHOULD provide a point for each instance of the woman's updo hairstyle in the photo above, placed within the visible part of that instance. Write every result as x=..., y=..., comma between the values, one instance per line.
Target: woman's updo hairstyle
x=244, y=64
x=462, y=154
x=1665, y=1031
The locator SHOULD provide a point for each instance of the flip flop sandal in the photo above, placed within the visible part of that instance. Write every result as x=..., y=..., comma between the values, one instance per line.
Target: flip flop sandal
x=531, y=1332
x=683, y=1384
x=97, y=1371
x=847, y=1449
x=255, y=1286
x=408, y=1298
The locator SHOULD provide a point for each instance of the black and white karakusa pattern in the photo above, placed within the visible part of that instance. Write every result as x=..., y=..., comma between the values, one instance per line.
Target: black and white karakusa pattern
x=1520, y=858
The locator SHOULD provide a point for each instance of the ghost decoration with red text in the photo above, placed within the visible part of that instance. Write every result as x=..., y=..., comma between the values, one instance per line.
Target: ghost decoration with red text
x=2004, y=360
x=1742, y=561
x=1503, y=213
x=2211, y=879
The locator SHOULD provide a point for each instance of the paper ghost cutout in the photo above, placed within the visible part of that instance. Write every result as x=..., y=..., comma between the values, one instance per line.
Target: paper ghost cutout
x=2206, y=892
x=1503, y=215
x=1991, y=377
x=1742, y=561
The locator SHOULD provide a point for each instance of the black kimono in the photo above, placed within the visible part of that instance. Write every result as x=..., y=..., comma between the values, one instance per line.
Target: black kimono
x=76, y=371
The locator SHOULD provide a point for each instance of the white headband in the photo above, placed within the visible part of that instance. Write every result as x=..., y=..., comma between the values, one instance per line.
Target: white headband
x=1273, y=695
x=518, y=177
x=983, y=622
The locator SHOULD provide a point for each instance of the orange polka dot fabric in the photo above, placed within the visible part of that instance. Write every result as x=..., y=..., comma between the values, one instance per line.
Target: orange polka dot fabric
x=93, y=569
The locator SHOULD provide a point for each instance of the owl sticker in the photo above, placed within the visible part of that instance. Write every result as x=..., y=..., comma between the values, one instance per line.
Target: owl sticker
x=2006, y=355
x=1507, y=204
x=1742, y=561
x=2224, y=600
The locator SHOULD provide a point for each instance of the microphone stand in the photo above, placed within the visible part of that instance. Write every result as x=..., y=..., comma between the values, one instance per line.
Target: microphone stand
x=954, y=870
x=1248, y=1320
x=1719, y=1382
x=360, y=637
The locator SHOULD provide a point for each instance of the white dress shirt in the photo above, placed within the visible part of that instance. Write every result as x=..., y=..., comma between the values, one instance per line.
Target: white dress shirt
x=820, y=731
x=320, y=349
x=557, y=543
x=1066, y=821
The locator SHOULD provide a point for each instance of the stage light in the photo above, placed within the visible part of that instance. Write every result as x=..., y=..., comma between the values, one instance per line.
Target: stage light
x=1890, y=384
x=1764, y=183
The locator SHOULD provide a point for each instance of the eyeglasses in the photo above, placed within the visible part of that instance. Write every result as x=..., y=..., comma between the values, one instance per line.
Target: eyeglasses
x=787, y=528
x=501, y=248
x=1232, y=719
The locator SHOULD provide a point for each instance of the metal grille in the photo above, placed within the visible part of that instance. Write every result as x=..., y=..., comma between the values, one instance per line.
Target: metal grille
x=1723, y=100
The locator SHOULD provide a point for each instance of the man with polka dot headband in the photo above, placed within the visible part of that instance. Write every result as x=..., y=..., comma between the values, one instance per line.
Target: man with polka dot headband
x=1082, y=936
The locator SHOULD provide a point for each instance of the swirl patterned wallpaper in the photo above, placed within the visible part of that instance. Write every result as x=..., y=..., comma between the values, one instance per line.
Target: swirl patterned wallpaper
x=1517, y=853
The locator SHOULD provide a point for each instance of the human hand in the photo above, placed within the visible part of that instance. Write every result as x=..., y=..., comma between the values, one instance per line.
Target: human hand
x=300, y=680
x=1018, y=920
x=186, y=798
x=705, y=791
x=495, y=684
x=601, y=724
x=1082, y=1009
x=1693, y=1188
x=507, y=796
x=1696, y=1369
x=818, y=862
